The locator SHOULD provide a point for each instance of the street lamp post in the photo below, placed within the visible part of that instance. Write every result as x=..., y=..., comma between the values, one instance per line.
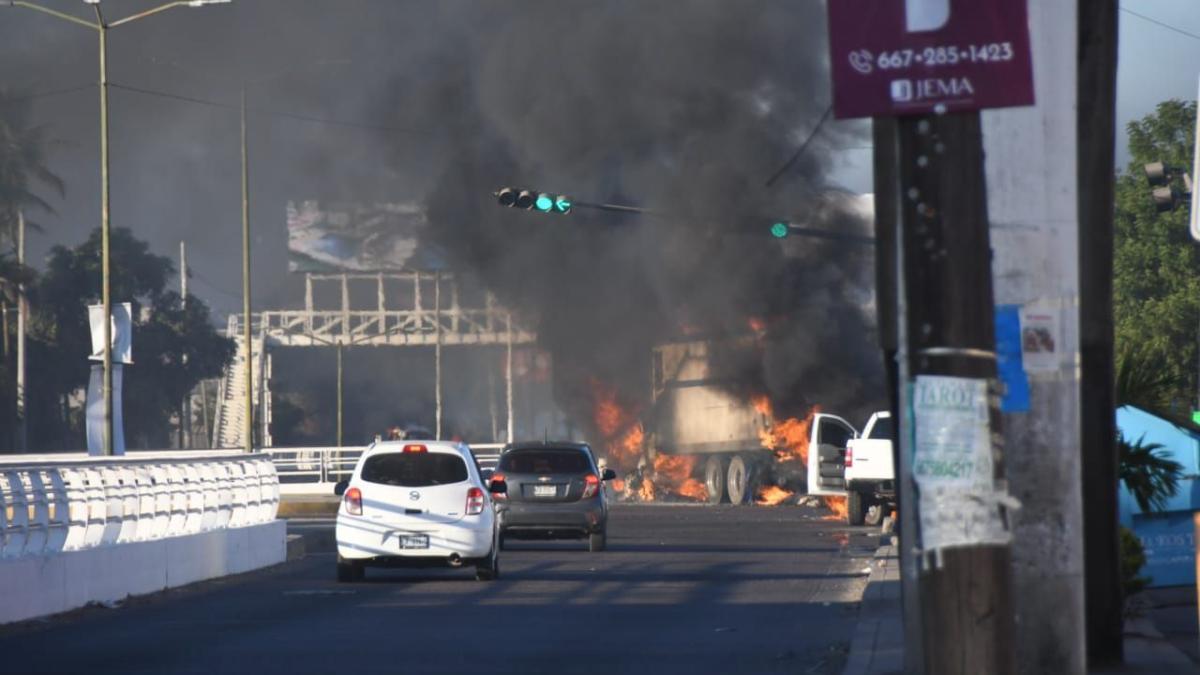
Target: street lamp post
x=102, y=27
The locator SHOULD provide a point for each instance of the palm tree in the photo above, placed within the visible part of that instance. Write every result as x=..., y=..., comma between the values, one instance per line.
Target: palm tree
x=1146, y=470
x=1151, y=477
x=24, y=153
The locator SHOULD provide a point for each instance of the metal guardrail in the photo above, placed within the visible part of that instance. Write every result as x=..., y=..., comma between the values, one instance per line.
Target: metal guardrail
x=320, y=467
x=53, y=503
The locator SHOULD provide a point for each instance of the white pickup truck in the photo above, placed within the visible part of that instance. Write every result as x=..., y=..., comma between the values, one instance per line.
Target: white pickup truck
x=870, y=477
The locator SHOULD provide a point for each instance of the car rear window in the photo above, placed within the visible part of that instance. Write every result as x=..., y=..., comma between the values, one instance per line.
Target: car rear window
x=882, y=428
x=545, y=461
x=414, y=469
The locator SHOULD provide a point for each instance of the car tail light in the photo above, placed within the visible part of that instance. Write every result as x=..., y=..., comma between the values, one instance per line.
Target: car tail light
x=475, y=501
x=497, y=478
x=353, y=501
x=591, y=485
x=415, y=447
x=850, y=456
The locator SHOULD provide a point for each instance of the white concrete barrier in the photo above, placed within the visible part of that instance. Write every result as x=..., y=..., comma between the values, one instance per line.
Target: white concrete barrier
x=76, y=529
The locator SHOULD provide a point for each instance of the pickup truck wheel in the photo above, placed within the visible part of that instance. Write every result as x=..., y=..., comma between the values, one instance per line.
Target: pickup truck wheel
x=741, y=482
x=854, y=508
x=874, y=514
x=714, y=479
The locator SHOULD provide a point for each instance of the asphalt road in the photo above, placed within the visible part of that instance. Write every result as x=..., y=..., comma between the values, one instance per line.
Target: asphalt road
x=683, y=589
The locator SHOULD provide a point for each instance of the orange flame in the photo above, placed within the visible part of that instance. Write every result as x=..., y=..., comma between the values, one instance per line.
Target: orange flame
x=788, y=438
x=838, y=506
x=772, y=495
x=619, y=428
x=673, y=475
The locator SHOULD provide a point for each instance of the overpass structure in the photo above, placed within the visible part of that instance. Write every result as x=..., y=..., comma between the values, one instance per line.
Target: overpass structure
x=428, y=311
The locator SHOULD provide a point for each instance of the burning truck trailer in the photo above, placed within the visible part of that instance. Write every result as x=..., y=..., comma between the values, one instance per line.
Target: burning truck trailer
x=733, y=445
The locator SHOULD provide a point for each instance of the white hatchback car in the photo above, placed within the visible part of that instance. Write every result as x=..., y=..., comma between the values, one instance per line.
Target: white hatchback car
x=416, y=504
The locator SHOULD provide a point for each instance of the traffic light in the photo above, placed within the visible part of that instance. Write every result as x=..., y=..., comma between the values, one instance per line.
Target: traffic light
x=528, y=199
x=780, y=230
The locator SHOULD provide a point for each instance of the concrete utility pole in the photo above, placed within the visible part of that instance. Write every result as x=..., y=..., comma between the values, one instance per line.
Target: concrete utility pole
x=1033, y=172
x=966, y=613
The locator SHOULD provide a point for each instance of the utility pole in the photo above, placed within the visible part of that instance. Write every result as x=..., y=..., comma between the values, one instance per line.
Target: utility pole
x=248, y=347
x=437, y=353
x=339, y=394
x=22, y=318
x=185, y=406
x=1096, y=134
x=1035, y=159
x=964, y=597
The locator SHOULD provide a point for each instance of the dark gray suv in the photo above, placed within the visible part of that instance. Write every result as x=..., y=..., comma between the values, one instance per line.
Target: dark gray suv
x=555, y=491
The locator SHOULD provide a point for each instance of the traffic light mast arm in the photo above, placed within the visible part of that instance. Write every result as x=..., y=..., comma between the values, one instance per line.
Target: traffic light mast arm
x=830, y=234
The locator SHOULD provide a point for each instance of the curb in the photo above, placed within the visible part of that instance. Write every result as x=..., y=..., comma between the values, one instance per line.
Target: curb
x=877, y=647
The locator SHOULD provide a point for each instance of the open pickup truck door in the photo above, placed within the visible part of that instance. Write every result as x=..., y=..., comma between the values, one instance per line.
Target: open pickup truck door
x=828, y=439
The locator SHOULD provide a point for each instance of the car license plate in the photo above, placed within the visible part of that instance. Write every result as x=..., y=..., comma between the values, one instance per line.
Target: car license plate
x=545, y=491
x=414, y=541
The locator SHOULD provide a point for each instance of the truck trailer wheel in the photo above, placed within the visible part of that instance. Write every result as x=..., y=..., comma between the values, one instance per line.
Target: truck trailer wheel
x=714, y=478
x=854, y=507
x=741, y=482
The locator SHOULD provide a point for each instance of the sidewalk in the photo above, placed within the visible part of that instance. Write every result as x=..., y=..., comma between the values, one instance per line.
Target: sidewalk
x=1164, y=640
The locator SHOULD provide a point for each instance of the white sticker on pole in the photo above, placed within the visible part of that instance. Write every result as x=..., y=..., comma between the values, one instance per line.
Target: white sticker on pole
x=952, y=464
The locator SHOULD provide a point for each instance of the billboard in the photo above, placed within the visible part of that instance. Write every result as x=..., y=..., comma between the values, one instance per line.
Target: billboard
x=359, y=238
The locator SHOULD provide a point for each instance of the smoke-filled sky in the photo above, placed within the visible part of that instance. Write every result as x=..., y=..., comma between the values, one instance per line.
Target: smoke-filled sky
x=684, y=107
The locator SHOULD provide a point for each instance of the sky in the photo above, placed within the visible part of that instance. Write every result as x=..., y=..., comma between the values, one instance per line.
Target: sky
x=168, y=51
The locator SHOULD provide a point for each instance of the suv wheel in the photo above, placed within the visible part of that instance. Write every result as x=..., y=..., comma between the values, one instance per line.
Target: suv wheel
x=597, y=541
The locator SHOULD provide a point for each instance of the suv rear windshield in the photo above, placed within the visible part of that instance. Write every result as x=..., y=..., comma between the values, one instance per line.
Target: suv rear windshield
x=882, y=428
x=414, y=469
x=545, y=461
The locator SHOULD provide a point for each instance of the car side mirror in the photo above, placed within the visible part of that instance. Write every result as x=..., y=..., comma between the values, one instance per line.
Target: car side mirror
x=339, y=488
x=498, y=487
x=608, y=474
x=486, y=474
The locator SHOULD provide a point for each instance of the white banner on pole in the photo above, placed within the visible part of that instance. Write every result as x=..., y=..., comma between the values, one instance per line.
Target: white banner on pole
x=95, y=411
x=122, y=332
x=958, y=504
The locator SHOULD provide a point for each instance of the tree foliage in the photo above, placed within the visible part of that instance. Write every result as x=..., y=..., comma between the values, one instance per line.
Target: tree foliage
x=1148, y=472
x=1156, y=265
x=24, y=170
x=174, y=346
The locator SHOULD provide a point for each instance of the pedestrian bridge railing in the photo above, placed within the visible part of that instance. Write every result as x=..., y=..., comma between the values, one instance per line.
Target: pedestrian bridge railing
x=57, y=503
x=315, y=470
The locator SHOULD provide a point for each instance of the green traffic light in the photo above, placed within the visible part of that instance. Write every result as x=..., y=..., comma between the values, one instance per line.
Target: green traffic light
x=562, y=204
x=779, y=230
x=544, y=202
